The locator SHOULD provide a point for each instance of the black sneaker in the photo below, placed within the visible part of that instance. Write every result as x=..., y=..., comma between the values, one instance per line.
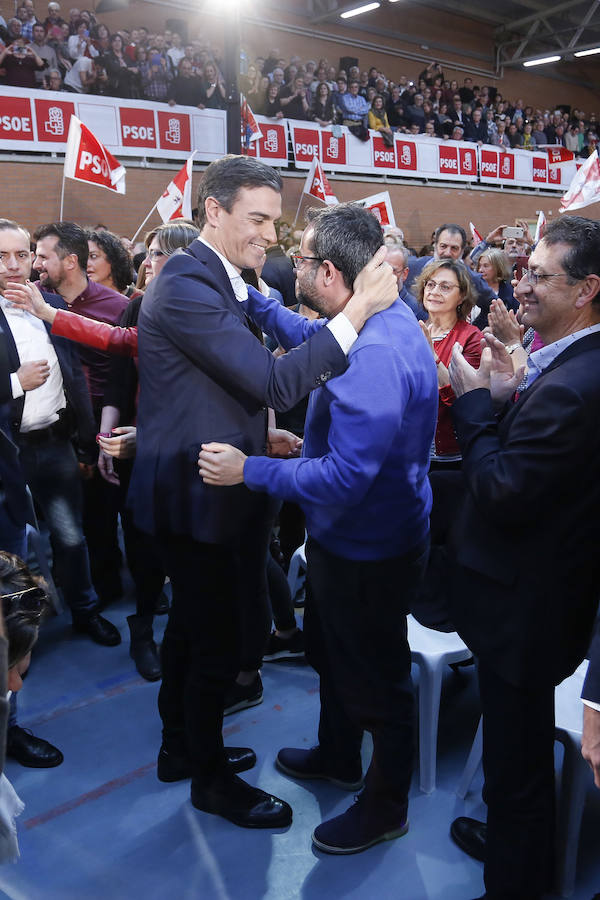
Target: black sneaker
x=243, y=696
x=284, y=647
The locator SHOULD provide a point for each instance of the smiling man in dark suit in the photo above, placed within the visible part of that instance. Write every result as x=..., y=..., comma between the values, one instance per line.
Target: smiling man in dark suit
x=526, y=587
x=204, y=376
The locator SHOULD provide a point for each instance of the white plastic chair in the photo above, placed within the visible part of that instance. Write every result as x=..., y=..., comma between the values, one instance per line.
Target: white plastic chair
x=574, y=782
x=431, y=651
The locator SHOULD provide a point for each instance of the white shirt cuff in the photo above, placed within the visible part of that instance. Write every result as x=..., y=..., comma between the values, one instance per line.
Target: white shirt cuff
x=15, y=384
x=591, y=704
x=343, y=331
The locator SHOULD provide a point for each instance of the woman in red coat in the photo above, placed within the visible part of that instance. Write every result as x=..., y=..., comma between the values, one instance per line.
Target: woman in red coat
x=446, y=291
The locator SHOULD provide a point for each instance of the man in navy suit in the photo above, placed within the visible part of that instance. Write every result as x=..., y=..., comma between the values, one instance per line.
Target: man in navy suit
x=449, y=243
x=204, y=376
x=525, y=592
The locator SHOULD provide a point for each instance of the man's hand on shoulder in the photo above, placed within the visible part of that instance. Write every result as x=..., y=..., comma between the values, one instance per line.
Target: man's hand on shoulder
x=375, y=289
x=221, y=464
x=28, y=297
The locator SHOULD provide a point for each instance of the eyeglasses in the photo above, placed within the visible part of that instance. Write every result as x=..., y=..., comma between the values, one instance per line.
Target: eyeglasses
x=297, y=258
x=155, y=254
x=445, y=286
x=533, y=277
x=35, y=601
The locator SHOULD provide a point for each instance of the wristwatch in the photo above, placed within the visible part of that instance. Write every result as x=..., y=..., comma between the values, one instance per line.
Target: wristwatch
x=512, y=347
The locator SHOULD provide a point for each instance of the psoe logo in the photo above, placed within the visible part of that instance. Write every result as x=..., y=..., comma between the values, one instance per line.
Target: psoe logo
x=506, y=165
x=405, y=156
x=271, y=141
x=173, y=135
x=333, y=151
x=55, y=123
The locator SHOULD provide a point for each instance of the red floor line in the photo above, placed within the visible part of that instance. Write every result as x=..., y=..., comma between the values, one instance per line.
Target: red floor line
x=107, y=788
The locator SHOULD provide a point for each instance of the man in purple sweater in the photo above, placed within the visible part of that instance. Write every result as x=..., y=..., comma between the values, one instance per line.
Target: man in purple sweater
x=362, y=482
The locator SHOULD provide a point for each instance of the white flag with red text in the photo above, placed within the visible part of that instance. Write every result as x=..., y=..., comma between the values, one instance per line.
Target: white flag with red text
x=86, y=159
x=317, y=184
x=176, y=201
x=585, y=186
x=475, y=234
x=381, y=207
x=540, y=228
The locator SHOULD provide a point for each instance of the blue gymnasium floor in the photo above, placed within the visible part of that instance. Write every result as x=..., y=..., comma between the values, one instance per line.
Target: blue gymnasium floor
x=101, y=827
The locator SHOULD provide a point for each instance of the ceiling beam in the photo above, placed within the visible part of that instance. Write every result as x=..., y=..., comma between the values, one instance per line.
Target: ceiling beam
x=515, y=24
x=584, y=22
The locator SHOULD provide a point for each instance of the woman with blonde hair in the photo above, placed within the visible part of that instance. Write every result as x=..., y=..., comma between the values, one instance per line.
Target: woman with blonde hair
x=494, y=267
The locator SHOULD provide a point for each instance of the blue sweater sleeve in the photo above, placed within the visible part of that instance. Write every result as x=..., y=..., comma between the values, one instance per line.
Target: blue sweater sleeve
x=287, y=327
x=363, y=424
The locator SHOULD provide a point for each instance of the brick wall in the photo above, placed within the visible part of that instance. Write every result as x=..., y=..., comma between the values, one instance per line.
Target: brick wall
x=34, y=198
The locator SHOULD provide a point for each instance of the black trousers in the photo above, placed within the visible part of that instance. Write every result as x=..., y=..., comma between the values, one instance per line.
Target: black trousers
x=201, y=650
x=355, y=637
x=518, y=763
x=219, y=623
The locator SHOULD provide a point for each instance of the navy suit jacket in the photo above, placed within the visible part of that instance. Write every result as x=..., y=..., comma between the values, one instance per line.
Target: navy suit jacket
x=13, y=491
x=205, y=377
x=526, y=589
x=74, y=383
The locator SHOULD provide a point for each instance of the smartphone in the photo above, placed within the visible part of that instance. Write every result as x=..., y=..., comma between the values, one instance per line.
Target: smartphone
x=520, y=267
x=512, y=232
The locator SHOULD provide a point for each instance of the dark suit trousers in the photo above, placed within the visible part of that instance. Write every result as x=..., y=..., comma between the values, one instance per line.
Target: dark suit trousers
x=201, y=649
x=355, y=632
x=518, y=762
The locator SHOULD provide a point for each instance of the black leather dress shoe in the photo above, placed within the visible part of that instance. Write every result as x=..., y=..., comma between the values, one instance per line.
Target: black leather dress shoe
x=228, y=796
x=99, y=629
x=31, y=751
x=469, y=835
x=177, y=768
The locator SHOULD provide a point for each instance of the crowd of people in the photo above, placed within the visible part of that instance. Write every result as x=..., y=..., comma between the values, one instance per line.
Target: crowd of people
x=99, y=426
x=80, y=55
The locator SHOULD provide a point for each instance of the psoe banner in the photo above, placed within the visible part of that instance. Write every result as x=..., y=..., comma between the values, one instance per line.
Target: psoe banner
x=272, y=146
x=409, y=156
x=523, y=168
x=40, y=120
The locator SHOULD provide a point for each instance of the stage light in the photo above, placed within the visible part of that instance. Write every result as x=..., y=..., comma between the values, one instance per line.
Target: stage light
x=359, y=9
x=542, y=61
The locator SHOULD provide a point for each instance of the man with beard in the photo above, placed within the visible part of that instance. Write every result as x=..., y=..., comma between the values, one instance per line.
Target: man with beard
x=61, y=263
x=362, y=482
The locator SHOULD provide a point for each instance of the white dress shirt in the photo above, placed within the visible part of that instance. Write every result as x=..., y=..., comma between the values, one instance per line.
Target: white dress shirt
x=42, y=404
